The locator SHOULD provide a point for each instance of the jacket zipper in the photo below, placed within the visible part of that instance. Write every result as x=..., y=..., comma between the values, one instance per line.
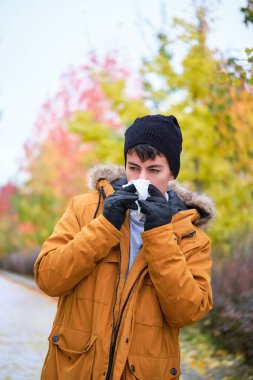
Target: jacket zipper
x=116, y=295
x=189, y=235
x=113, y=310
x=114, y=339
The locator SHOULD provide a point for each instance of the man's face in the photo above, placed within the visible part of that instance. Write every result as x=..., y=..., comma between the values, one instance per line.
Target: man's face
x=157, y=171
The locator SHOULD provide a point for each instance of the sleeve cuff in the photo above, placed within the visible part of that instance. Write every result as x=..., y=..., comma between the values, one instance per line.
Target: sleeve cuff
x=155, y=231
x=109, y=226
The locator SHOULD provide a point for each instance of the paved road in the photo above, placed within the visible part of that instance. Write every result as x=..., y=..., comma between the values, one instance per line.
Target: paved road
x=26, y=316
x=25, y=320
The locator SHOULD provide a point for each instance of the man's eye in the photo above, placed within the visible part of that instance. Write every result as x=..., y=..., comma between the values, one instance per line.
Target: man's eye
x=133, y=168
x=154, y=171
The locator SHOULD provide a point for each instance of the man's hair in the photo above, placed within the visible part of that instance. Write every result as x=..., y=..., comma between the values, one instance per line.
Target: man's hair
x=145, y=152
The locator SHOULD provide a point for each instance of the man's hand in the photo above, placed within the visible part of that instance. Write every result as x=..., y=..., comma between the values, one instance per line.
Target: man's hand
x=176, y=203
x=117, y=204
x=156, y=208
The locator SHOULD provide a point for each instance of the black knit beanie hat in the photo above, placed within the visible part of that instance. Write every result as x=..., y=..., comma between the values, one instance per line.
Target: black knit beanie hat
x=161, y=132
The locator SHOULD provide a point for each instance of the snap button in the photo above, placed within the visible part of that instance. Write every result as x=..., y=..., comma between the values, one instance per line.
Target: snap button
x=173, y=371
x=55, y=338
x=132, y=368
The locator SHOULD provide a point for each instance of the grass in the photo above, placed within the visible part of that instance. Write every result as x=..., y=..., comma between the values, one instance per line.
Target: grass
x=199, y=352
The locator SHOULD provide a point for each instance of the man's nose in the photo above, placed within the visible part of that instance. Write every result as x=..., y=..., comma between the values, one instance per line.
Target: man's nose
x=143, y=174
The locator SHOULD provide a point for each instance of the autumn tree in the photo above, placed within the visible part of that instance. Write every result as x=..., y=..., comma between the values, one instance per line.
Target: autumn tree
x=82, y=124
x=10, y=229
x=247, y=11
x=85, y=121
x=55, y=172
x=115, y=99
x=216, y=121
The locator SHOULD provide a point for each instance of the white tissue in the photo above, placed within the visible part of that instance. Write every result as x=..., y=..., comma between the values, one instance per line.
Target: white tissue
x=141, y=186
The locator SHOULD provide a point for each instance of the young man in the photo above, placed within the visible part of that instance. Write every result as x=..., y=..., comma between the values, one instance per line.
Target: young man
x=127, y=286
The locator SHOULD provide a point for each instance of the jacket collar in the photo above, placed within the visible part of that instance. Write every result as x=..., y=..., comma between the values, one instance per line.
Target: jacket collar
x=113, y=176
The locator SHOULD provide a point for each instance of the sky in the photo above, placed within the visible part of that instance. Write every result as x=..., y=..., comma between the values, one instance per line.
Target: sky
x=40, y=39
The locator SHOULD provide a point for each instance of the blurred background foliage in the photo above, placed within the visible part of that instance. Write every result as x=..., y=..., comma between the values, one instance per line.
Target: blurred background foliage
x=84, y=124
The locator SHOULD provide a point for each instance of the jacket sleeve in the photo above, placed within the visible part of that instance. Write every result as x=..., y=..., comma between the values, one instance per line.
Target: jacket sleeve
x=180, y=269
x=71, y=252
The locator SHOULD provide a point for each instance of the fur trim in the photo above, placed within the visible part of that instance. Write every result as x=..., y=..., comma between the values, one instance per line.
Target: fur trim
x=201, y=202
x=110, y=172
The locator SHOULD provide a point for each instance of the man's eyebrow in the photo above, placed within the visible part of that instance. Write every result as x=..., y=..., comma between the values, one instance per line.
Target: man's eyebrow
x=150, y=166
x=132, y=163
x=155, y=166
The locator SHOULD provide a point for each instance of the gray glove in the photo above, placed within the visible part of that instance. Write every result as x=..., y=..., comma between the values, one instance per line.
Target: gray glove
x=117, y=204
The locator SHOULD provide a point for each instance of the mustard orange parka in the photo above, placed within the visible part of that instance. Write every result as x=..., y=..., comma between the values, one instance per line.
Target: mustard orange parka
x=114, y=325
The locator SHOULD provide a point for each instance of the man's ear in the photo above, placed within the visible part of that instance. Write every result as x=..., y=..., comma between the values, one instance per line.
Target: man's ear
x=171, y=177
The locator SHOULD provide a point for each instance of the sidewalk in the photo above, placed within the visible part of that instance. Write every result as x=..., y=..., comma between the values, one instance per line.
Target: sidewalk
x=20, y=279
x=25, y=322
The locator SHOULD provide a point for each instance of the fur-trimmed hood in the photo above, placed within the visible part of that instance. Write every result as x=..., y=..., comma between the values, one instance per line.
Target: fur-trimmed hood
x=202, y=203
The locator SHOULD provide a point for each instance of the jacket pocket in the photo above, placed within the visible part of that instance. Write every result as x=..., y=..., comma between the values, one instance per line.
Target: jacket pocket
x=188, y=240
x=92, y=289
x=152, y=368
x=71, y=355
x=149, y=311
